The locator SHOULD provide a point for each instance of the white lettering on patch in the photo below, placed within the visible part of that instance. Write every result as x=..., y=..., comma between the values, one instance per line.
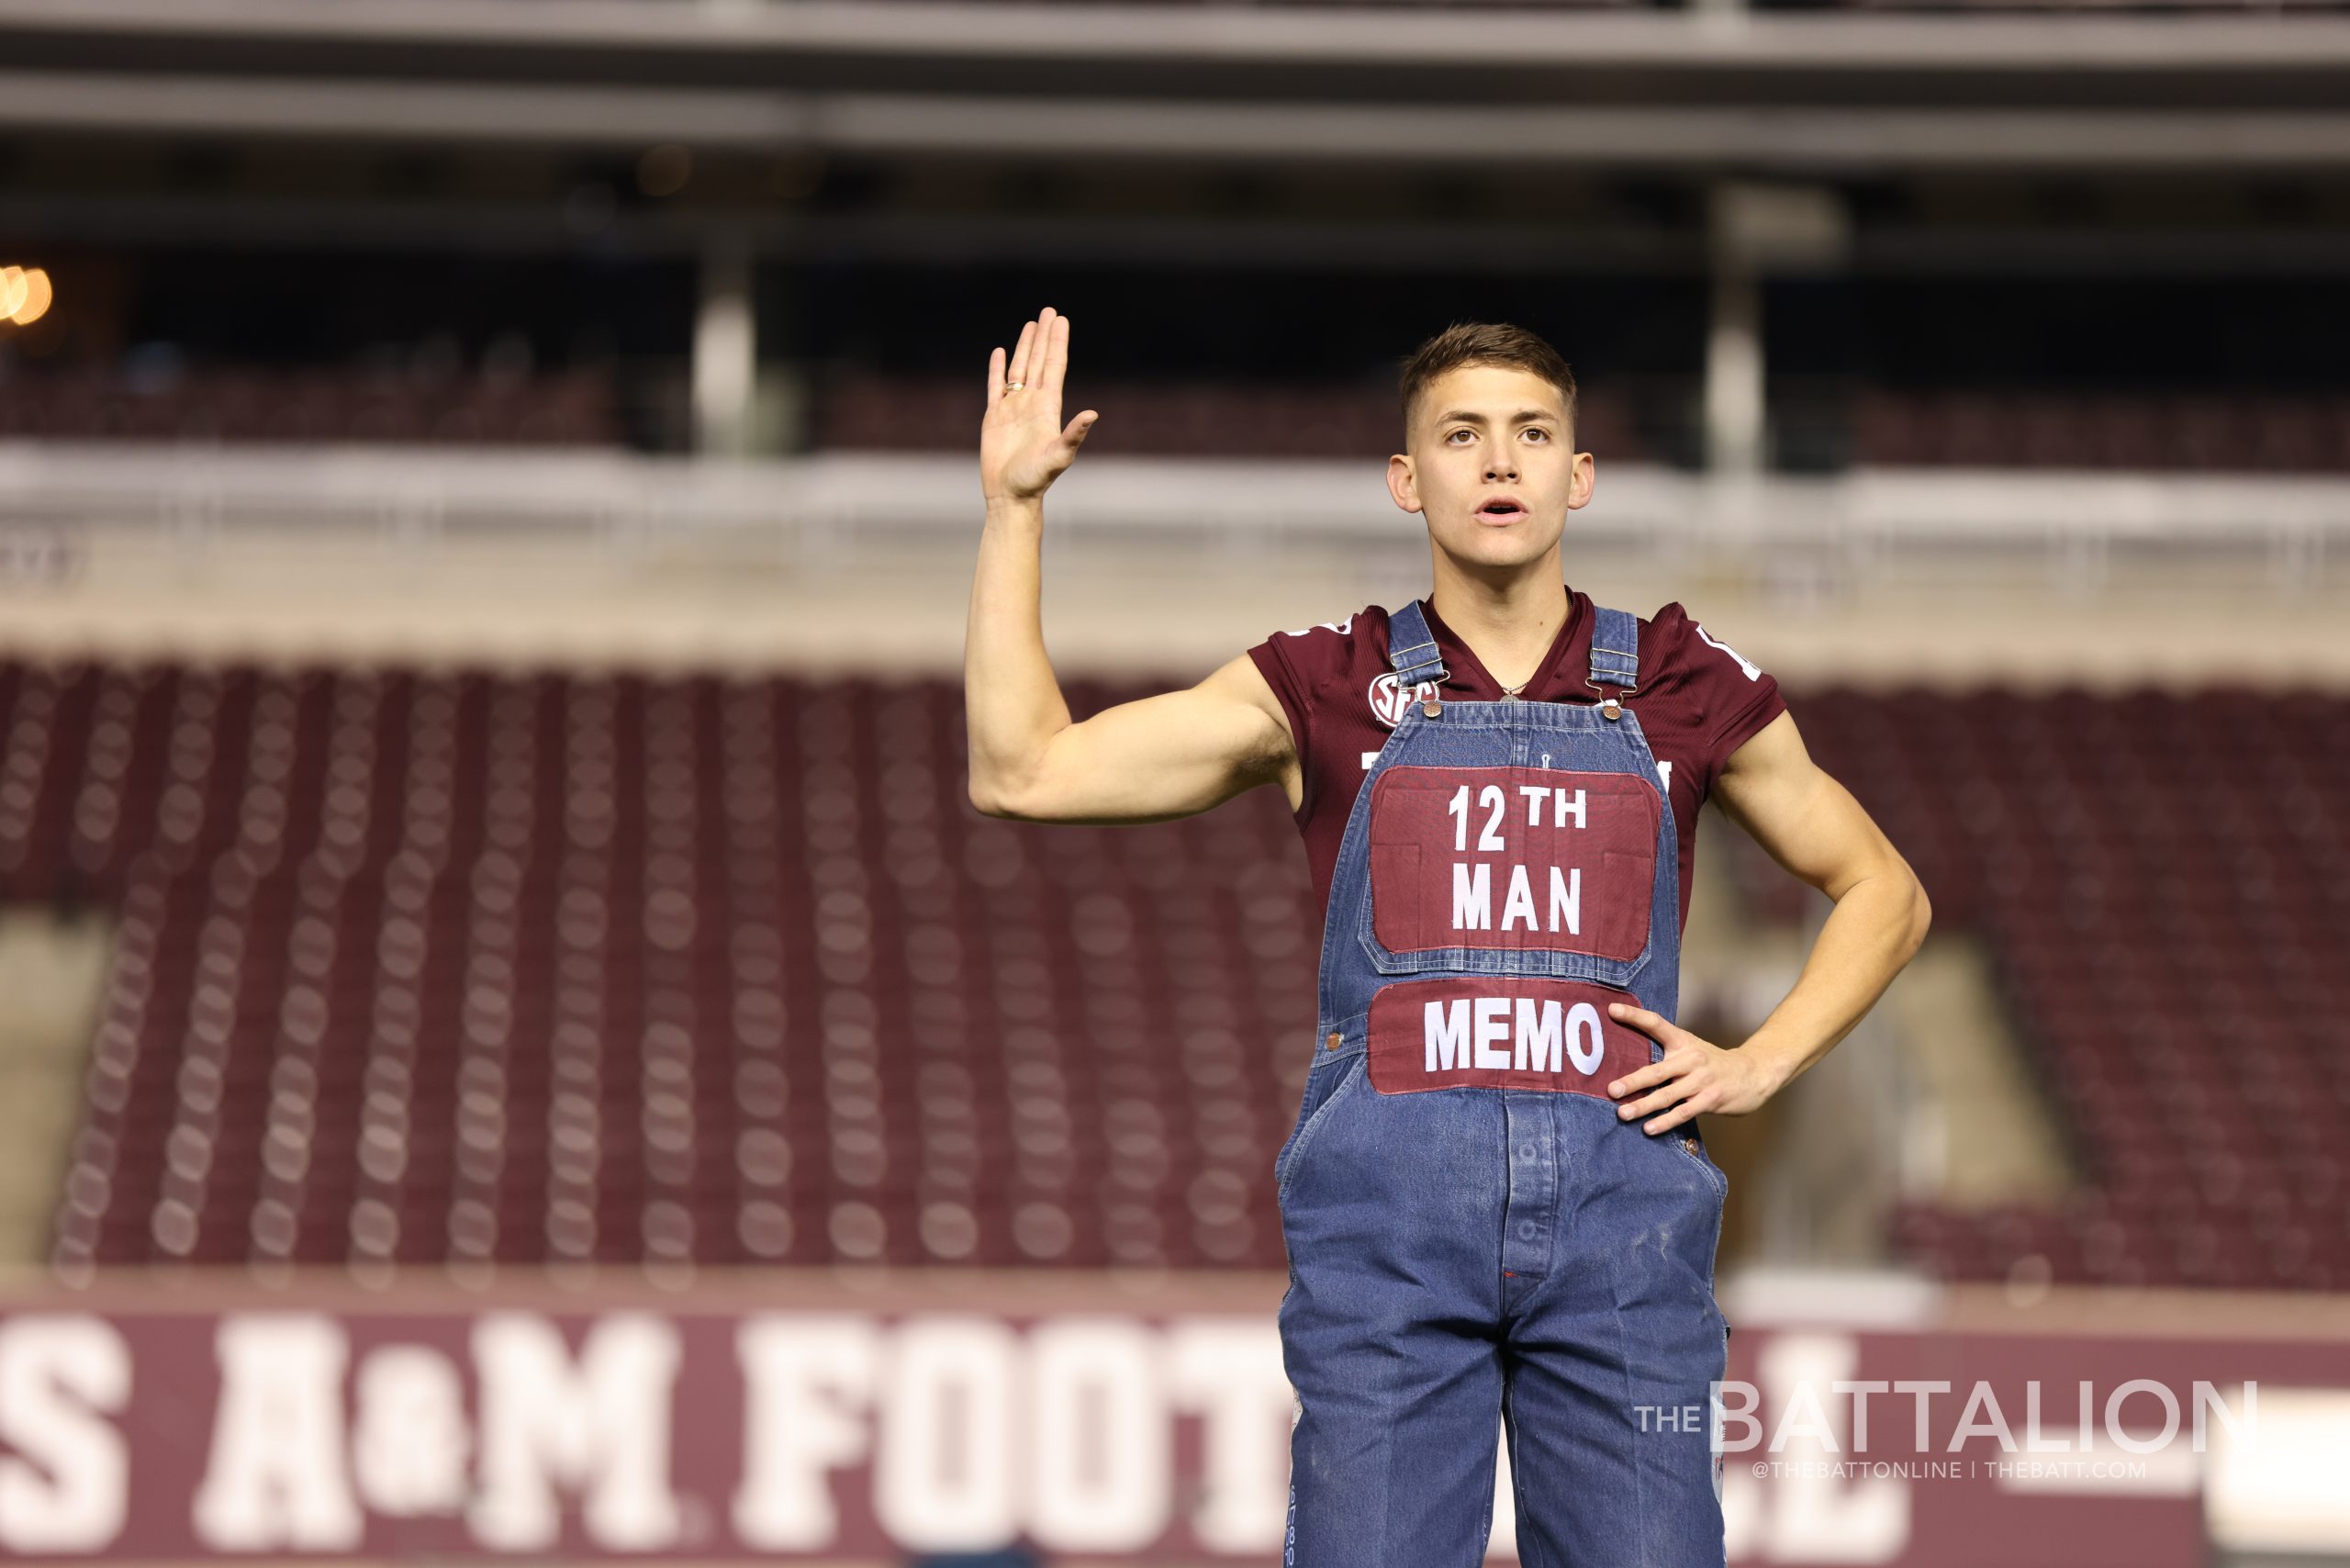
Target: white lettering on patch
x=1492, y=1028
x=1538, y=1036
x=1472, y=897
x=1566, y=901
x=1505, y=1032
x=1589, y=1047
x=1448, y=1035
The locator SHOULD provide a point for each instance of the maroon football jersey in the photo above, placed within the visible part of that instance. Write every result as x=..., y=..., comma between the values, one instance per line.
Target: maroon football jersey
x=1698, y=701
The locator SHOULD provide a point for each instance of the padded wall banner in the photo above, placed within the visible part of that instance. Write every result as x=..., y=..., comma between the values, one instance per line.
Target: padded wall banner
x=854, y=1421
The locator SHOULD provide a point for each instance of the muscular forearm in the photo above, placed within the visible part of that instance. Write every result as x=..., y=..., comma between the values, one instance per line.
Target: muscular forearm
x=1012, y=701
x=1873, y=931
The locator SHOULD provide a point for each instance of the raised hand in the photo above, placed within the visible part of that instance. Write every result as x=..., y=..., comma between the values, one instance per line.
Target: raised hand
x=1024, y=447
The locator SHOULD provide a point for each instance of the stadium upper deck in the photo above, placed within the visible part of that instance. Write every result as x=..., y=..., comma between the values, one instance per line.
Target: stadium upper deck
x=1740, y=226
x=1515, y=85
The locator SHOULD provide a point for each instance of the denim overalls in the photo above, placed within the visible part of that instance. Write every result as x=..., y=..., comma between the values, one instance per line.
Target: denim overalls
x=1471, y=1227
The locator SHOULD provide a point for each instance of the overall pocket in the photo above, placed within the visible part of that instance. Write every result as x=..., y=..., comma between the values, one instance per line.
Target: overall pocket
x=1323, y=1089
x=1695, y=1150
x=1504, y=867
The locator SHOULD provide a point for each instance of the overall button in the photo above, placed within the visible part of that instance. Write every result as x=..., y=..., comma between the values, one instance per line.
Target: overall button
x=1332, y=1043
x=1528, y=1151
x=1527, y=1230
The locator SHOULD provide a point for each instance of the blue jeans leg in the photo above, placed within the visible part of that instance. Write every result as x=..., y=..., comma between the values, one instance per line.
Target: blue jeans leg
x=1611, y=1363
x=1393, y=1458
x=1391, y=1331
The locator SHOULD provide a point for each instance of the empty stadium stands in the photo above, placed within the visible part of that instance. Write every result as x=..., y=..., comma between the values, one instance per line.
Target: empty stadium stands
x=1162, y=418
x=446, y=970
x=2025, y=428
x=471, y=969
x=2050, y=430
x=2165, y=880
x=311, y=404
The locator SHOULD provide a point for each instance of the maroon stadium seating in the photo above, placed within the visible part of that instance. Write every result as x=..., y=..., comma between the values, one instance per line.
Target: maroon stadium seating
x=2040, y=430
x=2165, y=882
x=1635, y=421
x=857, y=410
x=420, y=970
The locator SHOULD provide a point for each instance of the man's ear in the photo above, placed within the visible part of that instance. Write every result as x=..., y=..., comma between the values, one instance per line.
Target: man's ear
x=1402, y=482
x=1586, y=477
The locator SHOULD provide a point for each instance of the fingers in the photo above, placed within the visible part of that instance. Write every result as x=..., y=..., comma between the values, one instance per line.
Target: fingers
x=1056, y=358
x=1655, y=1024
x=1693, y=1075
x=1638, y=1017
x=1641, y=1078
x=1028, y=360
x=1075, y=434
x=1684, y=1112
x=1019, y=352
x=1039, y=360
x=1661, y=1098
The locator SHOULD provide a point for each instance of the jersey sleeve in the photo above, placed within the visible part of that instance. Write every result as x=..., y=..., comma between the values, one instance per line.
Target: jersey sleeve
x=1303, y=667
x=1289, y=684
x=1732, y=695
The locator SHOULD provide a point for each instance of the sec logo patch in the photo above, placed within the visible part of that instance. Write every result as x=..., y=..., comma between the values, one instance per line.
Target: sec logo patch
x=1388, y=702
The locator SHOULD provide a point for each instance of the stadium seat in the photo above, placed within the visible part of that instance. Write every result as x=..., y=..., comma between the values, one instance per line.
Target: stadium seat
x=422, y=969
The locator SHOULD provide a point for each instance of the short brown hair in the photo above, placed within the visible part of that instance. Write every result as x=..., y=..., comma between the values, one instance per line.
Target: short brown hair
x=1485, y=343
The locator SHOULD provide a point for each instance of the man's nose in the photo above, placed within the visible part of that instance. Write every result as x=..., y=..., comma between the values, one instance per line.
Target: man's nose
x=1501, y=463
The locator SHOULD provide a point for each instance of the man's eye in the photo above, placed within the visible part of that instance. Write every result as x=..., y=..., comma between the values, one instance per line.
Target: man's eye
x=1538, y=430
x=1451, y=435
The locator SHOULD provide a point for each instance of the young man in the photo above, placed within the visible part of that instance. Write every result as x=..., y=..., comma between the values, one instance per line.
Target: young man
x=1495, y=1198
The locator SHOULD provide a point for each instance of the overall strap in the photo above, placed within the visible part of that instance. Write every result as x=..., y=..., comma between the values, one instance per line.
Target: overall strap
x=1411, y=648
x=1615, y=649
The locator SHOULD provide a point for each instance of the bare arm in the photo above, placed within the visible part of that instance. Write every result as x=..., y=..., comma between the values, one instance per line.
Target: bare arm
x=1162, y=757
x=1813, y=827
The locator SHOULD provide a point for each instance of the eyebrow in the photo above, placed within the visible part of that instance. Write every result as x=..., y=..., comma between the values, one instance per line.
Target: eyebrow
x=1464, y=417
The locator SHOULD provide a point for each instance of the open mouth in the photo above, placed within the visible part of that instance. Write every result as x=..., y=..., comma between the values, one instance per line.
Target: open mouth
x=1501, y=510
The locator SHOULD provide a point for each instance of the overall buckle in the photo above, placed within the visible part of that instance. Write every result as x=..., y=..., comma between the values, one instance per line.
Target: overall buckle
x=1609, y=708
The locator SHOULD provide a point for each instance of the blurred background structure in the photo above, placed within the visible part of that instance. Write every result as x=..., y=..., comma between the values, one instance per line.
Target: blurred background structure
x=514, y=1040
